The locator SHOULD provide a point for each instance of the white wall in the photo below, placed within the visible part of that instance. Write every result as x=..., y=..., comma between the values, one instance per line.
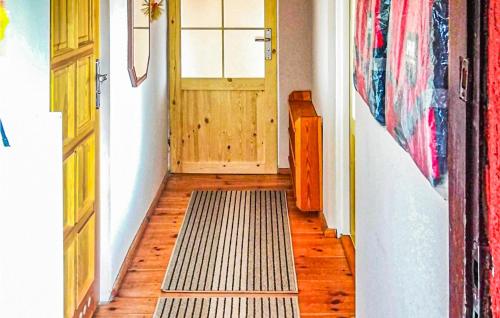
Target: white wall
x=401, y=230
x=331, y=99
x=401, y=221
x=31, y=229
x=137, y=142
x=295, y=62
x=25, y=59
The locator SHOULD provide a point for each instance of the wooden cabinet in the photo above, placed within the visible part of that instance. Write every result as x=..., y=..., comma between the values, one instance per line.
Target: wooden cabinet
x=306, y=163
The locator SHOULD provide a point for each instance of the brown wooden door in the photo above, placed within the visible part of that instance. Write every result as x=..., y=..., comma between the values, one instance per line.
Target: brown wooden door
x=74, y=47
x=469, y=251
x=223, y=99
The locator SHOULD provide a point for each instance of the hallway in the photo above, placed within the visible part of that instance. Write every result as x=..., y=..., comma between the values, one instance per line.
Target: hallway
x=326, y=284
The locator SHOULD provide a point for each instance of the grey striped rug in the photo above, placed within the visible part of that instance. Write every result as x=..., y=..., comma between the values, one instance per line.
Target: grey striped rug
x=228, y=307
x=236, y=241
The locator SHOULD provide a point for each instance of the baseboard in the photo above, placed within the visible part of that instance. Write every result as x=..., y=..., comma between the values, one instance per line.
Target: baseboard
x=137, y=239
x=350, y=253
x=328, y=232
x=284, y=171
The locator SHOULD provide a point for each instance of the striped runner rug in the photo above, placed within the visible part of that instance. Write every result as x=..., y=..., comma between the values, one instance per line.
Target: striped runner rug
x=235, y=241
x=230, y=307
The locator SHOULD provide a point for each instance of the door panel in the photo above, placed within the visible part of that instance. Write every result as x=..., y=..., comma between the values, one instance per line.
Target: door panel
x=74, y=50
x=85, y=89
x=85, y=259
x=63, y=100
x=85, y=178
x=69, y=175
x=63, y=21
x=227, y=116
x=70, y=279
x=223, y=90
x=85, y=22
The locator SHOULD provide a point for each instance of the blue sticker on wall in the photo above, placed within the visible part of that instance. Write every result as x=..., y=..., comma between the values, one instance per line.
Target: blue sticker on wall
x=5, y=140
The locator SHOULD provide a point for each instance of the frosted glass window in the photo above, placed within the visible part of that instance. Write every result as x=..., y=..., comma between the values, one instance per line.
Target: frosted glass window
x=201, y=53
x=201, y=13
x=244, y=13
x=141, y=56
x=243, y=57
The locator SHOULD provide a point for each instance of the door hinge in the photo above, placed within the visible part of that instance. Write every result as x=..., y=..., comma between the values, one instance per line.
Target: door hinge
x=463, y=92
x=99, y=79
x=481, y=267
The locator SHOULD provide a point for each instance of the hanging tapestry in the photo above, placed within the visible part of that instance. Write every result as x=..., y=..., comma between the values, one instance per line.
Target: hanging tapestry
x=370, y=53
x=417, y=83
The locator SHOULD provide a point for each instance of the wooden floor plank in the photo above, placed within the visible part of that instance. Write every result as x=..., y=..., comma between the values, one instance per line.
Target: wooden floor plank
x=326, y=284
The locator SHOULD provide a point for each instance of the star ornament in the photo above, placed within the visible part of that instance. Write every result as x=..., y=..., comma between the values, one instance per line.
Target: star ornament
x=153, y=9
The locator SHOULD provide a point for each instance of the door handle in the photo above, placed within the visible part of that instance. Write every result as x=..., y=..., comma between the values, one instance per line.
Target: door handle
x=99, y=79
x=262, y=39
x=268, y=43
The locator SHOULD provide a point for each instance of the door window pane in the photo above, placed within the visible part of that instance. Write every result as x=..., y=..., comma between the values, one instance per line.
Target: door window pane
x=201, y=13
x=243, y=56
x=244, y=13
x=201, y=53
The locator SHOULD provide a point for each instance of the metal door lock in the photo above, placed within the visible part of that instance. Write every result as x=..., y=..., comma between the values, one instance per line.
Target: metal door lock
x=268, y=43
x=99, y=79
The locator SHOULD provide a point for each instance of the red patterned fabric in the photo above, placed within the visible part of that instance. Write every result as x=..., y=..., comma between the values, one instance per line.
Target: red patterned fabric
x=417, y=82
x=493, y=141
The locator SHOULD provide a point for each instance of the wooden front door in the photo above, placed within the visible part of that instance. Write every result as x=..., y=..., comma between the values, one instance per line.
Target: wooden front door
x=223, y=99
x=74, y=48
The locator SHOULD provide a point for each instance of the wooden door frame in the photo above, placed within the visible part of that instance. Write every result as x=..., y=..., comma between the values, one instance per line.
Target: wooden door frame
x=177, y=83
x=468, y=243
x=97, y=188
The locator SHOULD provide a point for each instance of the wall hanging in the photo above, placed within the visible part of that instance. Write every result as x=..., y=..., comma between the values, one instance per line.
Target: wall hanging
x=417, y=83
x=370, y=53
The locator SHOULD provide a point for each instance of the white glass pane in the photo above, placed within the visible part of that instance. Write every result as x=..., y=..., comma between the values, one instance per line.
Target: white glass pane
x=201, y=13
x=201, y=53
x=141, y=51
x=243, y=57
x=244, y=13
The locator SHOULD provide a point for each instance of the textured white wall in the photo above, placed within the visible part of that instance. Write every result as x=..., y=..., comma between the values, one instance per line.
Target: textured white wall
x=331, y=99
x=31, y=229
x=137, y=142
x=401, y=230
x=295, y=61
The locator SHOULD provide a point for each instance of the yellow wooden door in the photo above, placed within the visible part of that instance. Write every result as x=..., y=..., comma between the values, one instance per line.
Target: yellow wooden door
x=74, y=48
x=223, y=99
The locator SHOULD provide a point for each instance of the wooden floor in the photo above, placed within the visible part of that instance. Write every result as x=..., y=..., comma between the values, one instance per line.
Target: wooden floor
x=326, y=285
